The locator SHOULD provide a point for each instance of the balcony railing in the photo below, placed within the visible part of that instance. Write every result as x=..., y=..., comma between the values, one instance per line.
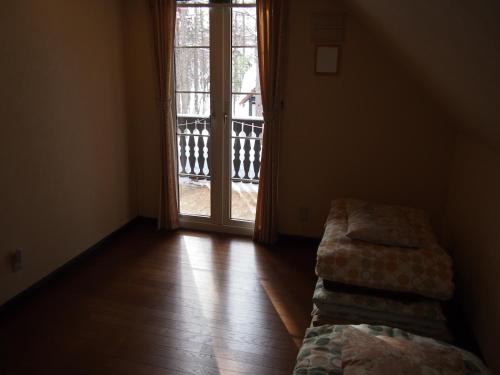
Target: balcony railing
x=193, y=143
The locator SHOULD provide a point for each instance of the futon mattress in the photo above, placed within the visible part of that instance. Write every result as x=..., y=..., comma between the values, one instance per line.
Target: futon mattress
x=322, y=349
x=423, y=317
x=423, y=271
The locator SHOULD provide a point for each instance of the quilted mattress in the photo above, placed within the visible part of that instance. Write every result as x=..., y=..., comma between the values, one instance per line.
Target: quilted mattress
x=425, y=271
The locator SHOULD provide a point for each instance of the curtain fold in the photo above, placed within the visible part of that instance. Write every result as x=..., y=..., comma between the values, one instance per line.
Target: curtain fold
x=271, y=34
x=163, y=17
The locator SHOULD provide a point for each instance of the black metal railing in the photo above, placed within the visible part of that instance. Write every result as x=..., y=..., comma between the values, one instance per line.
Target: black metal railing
x=193, y=146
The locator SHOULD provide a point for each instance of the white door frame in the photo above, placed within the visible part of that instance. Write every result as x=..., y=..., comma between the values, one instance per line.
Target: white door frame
x=220, y=130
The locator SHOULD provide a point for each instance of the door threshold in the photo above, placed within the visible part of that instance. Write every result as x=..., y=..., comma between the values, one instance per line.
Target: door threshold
x=209, y=227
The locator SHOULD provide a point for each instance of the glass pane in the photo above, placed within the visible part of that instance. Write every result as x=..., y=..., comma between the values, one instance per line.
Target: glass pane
x=247, y=124
x=193, y=104
x=194, y=196
x=247, y=106
x=192, y=27
x=180, y=2
x=193, y=149
x=192, y=67
x=245, y=70
x=244, y=200
x=244, y=2
x=246, y=146
x=244, y=27
x=192, y=79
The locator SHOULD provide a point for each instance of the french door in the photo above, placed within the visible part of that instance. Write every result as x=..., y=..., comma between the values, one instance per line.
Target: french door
x=219, y=114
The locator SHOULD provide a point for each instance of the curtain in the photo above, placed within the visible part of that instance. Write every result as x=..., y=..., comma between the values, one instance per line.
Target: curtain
x=163, y=16
x=271, y=24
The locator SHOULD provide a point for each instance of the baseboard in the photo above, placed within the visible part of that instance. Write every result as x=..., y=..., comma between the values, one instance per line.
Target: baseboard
x=213, y=228
x=146, y=220
x=150, y=221
x=27, y=292
x=231, y=230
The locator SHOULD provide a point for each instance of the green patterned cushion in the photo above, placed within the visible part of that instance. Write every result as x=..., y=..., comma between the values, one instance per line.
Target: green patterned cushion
x=321, y=351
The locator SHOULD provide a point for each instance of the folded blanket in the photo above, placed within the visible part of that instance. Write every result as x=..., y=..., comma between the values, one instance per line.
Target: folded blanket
x=423, y=271
x=388, y=294
x=423, y=317
x=423, y=308
x=346, y=315
x=363, y=353
x=322, y=351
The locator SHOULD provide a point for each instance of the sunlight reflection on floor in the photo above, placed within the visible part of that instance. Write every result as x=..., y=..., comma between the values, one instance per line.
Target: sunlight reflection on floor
x=243, y=283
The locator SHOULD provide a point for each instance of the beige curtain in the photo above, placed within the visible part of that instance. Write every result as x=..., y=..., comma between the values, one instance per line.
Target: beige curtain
x=163, y=13
x=271, y=31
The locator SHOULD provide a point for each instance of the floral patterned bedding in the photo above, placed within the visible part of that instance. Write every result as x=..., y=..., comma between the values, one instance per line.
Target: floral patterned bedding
x=423, y=317
x=436, y=330
x=322, y=350
x=425, y=271
x=385, y=224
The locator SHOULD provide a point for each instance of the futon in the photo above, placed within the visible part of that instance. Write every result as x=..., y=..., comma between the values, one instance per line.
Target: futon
x=423, y=316
x=374, y=350
x=420, y=269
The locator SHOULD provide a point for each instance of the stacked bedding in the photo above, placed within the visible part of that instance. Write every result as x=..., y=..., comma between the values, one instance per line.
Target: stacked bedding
x=381, y=266
x=423, y=270
x=422, y=316
x=370, y=349
x=390, y=260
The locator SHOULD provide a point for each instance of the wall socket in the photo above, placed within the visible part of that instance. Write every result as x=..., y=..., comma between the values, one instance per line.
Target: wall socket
x=303, y=214
x=17, y=260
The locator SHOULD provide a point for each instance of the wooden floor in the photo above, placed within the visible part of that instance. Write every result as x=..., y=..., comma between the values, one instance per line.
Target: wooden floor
x=159, y=303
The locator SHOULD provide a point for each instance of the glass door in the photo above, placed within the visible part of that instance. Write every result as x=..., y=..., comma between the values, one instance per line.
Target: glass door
x=192, y=88
x=219, y=114
x=246, y=115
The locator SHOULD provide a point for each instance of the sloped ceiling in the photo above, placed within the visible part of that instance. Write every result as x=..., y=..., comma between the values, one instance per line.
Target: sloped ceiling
x=454, y=47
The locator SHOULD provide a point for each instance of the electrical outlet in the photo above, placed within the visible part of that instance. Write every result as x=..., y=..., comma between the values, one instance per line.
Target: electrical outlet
x=303, y=214
x=17, y=260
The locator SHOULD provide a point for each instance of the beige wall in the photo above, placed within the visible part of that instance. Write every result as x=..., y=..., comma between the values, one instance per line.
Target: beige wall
x=71, y=172
x=370, y=132
x=473, y=235
x=142, y=107
x=452, y=46
x=63, y=140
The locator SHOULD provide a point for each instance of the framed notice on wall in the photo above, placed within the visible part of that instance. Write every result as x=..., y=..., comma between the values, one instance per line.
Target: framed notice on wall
x=327, y=59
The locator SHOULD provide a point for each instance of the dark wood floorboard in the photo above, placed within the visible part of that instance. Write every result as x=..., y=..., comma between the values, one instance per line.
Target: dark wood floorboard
x=166, y=303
